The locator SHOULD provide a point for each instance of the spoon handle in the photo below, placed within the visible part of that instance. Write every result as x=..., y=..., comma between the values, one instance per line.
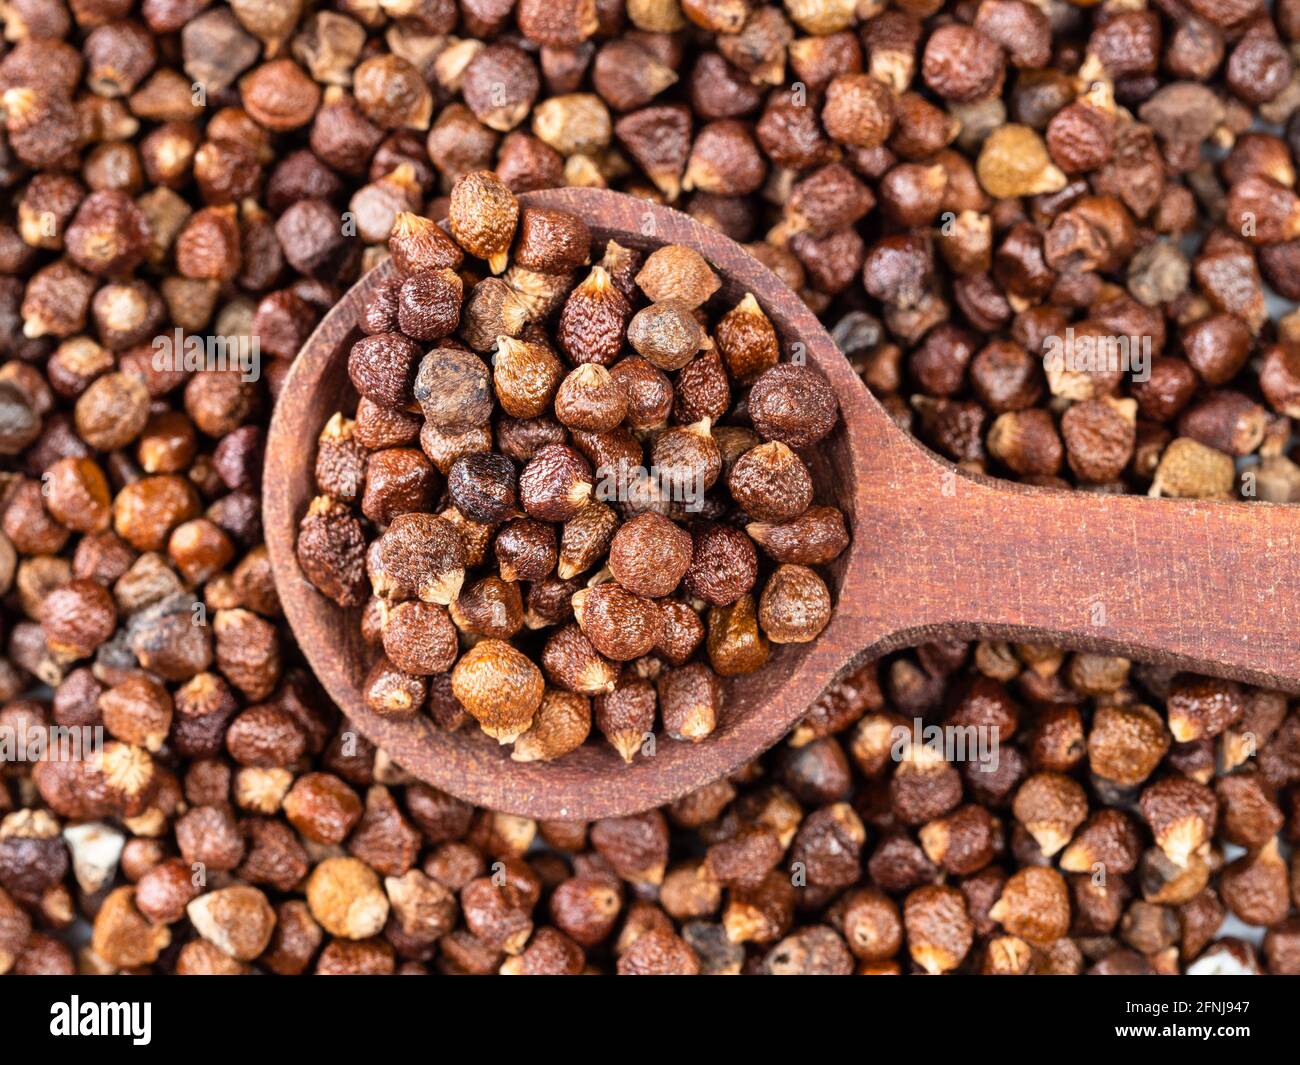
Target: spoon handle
x=1212, y=587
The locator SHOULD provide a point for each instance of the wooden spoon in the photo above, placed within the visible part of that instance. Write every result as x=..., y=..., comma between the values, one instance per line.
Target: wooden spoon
x=937, y=554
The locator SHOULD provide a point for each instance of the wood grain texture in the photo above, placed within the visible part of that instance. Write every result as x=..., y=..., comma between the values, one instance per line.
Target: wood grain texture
x=936, y=553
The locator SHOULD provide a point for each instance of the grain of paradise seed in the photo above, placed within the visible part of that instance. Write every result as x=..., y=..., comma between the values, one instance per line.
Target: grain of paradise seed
x=483, y=215
x=500, y=687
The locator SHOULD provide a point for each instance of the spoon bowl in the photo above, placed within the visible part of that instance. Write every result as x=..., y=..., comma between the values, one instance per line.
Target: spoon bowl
x=936, y=554
x=592, y=781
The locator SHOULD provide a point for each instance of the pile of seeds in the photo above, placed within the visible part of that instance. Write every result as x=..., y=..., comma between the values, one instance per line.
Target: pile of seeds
x=571, y=510
x=952, y=187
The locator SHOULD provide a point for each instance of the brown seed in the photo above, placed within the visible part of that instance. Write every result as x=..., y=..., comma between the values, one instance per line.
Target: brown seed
x=483, y=215
x=398, y=481
x=1050, y=806
x=724, y=564
x=420, y=555
x=238, y=920
x=393, y=93
x=1255, y=886
x=859, y=110
x=593, y=320
x=280, y=96
x=1201, y=706
x=331, y=550
x=382, y=368
x=525, y=375
x=389, y=690
x=1034, y=905
x=146, y=511
x=1109, y=838
x=1126, y=743
x=345, y=896
x=489, y=607
x=690, y=702
x=816, y=537
x=687, y=460
x=648, y=391
x=586, y=539
x=429, y=303
x=112, y=412
x=555, y=483
x=666, y=333
x=735, y=644
x=747, y=341
x=793, y=404
x=771, y=483
x=340, y=460
x=551, y=241
x=77, y=495
x=492, y=311
x=561, y=725
x=418, y=244
x=500, y=687
x=939, y=930
x=482, y=487
x=572, y=663
x=443, y=449
x=419, y=638
x=680, y=632
x=675, y=272
x=122, y=937
x=378, y=427
x=500, y=85
x=650, y=555
x=626, y=716
x=1182, y=815
x=77, y=617
x=620, y=625
x=590, y=400
x=454, y=389
x=525, y=550
x=795, y=605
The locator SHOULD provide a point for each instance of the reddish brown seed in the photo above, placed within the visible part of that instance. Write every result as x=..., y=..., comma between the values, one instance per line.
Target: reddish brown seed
x=666, y=333
x=419, y=638
x=389, y=690
x=454, y=390
x=420, y=555
x=690, y=702
x=589, y=399
x=500, y=687
x=795, y=605
x=724, y=564
x=555, y=483
x=650, y=555
x=525, y=376
x=771, y=483
x=331, y=550
x=620, y=625
x=484, y=214
x=793, y=404
x=648, y=391
x=551, y=241
x=593, y=320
